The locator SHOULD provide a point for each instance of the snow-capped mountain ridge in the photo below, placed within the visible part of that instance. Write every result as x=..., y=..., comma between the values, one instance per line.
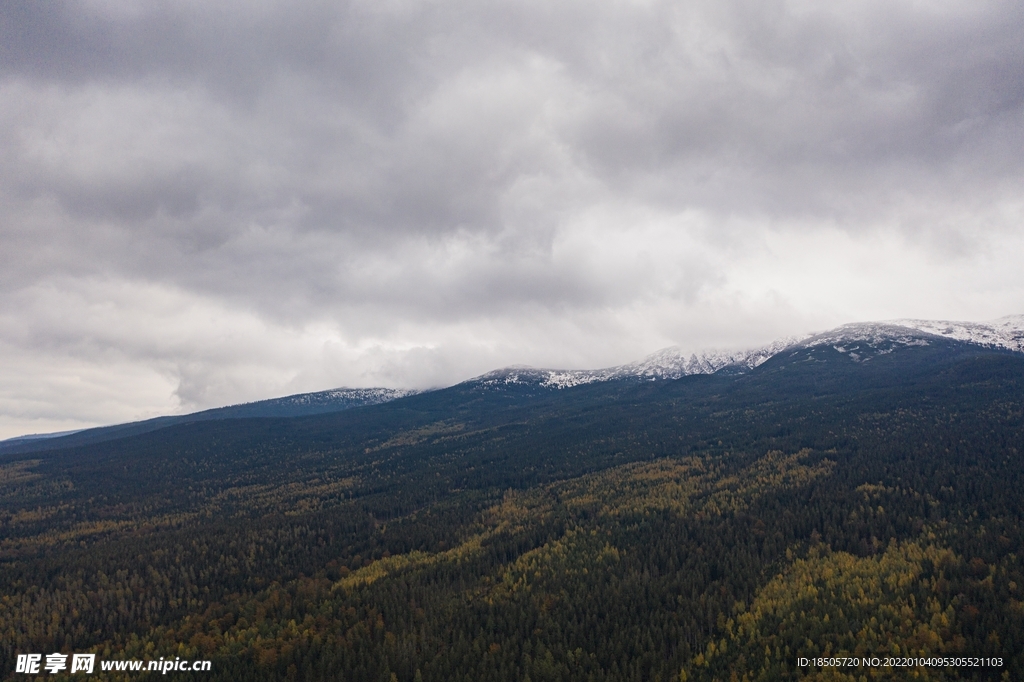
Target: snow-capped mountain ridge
x=860, y=340
x=1006, y=332
x=364, y=396
x=667, y=363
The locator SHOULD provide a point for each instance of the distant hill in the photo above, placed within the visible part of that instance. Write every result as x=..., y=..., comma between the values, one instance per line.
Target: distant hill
x=320, y=402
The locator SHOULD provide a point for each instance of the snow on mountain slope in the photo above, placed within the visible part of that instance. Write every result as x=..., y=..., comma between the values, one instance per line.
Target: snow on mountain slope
x=859, y=340
x=1006, y=332
x=673, y=363
x=863, y=339
x=361, y=396
x=668, y=363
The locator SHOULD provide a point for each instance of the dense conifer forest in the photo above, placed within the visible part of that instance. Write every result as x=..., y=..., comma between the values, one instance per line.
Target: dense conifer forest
x=712, y=527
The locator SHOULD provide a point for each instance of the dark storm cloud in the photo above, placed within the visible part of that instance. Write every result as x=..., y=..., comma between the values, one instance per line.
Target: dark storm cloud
x=412, y=176
x=760, y=106
x=231, y=48
x=827, y=112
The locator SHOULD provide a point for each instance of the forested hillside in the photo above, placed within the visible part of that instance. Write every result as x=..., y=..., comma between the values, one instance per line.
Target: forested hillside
x=710, y=527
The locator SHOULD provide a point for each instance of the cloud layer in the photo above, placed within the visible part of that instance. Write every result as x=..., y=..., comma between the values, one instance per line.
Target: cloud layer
x=203, y=202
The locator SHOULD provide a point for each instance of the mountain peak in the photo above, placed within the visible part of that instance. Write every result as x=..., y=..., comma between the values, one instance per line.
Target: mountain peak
x=1006, y=333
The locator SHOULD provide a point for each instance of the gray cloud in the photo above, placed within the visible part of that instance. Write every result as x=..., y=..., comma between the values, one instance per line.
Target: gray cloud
x=409, y=192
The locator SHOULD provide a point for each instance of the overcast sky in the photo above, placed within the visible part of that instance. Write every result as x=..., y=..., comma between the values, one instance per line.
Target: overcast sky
x=205, y=202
